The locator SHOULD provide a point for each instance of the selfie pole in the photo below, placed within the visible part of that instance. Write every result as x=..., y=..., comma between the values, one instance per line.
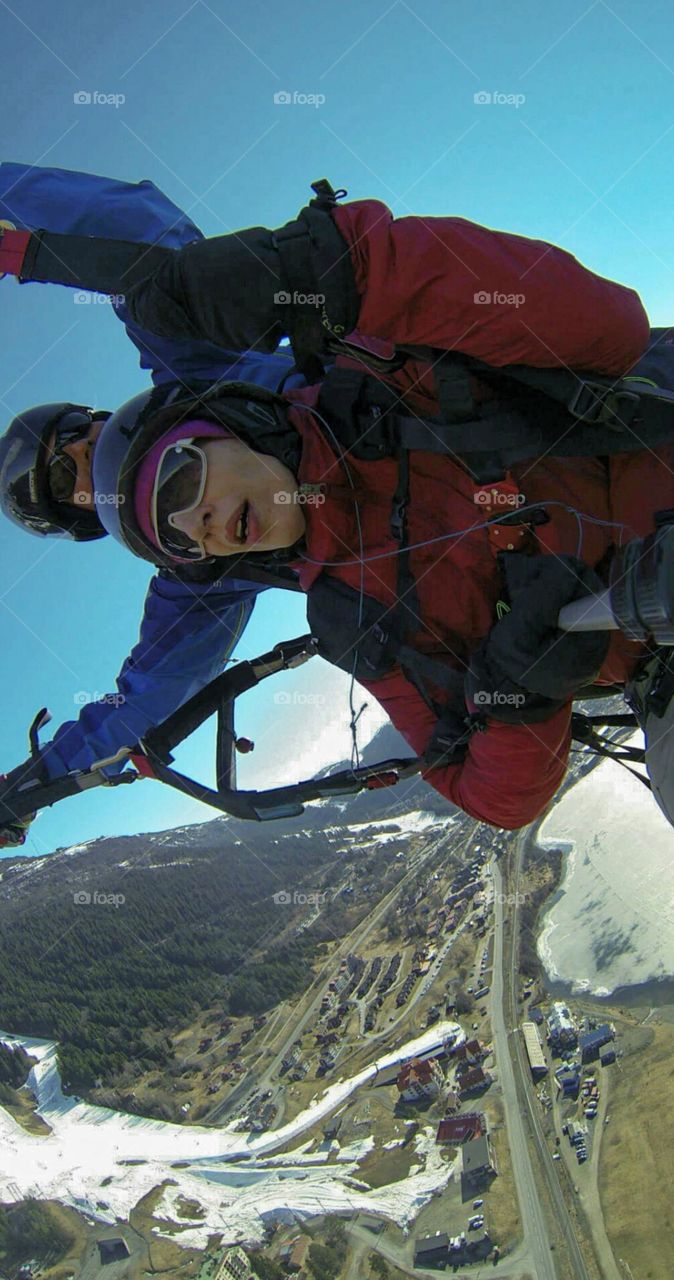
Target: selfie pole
x=639, y=600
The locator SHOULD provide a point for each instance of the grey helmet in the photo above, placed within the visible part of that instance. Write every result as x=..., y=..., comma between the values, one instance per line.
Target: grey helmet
x=25, y=494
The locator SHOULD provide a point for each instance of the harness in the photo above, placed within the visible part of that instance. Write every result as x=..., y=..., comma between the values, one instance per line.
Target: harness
x=586, y=416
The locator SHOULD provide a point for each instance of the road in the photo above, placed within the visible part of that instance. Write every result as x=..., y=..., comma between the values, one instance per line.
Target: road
x=522, y=1073
x=533, y=1219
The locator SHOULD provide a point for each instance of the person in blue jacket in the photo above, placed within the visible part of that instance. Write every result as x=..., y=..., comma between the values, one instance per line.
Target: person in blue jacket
x=189, y=628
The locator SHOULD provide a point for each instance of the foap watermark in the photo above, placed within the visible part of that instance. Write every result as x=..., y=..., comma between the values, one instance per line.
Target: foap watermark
x=284, y=98
x=283, y=298
x=83, y=298
x=83, y=499
x=97, y=899
x=84, y=696
x=512, y=899
x=298, y=497
x=494, y=698
x=497, y=498
x=297, y=699
x=483, y=298
x=497, y=99
x=285, y=899
x=84, y=98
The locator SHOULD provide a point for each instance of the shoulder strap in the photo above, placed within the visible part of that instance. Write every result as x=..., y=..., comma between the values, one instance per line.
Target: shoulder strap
x=552, y=411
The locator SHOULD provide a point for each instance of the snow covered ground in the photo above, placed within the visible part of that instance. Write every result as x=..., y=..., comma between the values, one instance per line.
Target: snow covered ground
x=612, y=925
x=234, y=1176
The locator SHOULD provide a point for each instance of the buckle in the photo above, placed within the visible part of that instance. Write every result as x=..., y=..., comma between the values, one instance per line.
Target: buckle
x=594, y=403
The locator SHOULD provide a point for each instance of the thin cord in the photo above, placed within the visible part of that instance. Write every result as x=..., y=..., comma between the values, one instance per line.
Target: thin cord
x=447, y=537
x=355, y=715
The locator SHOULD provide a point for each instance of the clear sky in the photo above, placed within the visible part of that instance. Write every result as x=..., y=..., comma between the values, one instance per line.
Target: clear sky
x=576, y=146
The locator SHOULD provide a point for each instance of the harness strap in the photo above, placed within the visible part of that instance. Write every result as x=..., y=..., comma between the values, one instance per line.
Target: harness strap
x=583, y=731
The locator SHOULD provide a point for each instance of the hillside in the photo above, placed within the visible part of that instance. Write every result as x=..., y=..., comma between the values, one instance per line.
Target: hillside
x=113, y=947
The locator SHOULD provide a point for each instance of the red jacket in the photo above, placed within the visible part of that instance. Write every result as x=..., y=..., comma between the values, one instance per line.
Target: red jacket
x=418, y=278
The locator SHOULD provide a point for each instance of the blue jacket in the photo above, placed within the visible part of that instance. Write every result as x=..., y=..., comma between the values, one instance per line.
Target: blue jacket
x=187, y=632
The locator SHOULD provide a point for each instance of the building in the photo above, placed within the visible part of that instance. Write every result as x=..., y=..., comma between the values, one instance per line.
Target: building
x=234, y=1265
x=477, y=1158
x=590, y=1043
x=536, y=1016
x=458, y=1129
x=452, y=1102
x=419, y=1080
x=431, y=1251
x=294, y=1254
x=475, y=1080
x=534, y=1050
x=469, y=1051
x=439, y=1049
x=562, y=1030
x=568, y=1080
x=607, y=1058
x=114, y=1249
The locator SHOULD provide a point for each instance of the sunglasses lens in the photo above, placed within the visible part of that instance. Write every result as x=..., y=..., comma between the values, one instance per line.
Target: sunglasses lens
x=62, y=477
x=179, y=487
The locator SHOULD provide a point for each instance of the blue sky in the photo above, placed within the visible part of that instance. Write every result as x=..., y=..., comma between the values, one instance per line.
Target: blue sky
x=576, y=146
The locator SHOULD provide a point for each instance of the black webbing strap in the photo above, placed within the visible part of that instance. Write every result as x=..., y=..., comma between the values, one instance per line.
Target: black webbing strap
x=552, y=411
x=449, y=741
x=583, y=731
x=90, y=262
x=317, y=280
x=508, y=434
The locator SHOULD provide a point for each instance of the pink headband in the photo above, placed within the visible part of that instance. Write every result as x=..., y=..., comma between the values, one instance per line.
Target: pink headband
x=142, y=494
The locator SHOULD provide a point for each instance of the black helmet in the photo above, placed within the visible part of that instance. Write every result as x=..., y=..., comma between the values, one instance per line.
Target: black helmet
x=24, y=488
x=252, y=413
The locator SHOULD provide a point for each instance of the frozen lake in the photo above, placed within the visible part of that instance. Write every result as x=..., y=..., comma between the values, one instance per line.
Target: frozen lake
x=612, y=923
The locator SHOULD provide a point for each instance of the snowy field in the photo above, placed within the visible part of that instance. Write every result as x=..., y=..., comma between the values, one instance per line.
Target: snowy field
x=613, y=923
x=236, y=1177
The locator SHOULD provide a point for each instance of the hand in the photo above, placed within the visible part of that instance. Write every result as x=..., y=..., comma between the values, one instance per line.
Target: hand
x=13, y=833
x=12, y=837
x=526, y=657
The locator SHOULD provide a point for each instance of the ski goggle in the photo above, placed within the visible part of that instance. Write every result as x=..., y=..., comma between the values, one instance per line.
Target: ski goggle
x=62, y=469
x=178, y=489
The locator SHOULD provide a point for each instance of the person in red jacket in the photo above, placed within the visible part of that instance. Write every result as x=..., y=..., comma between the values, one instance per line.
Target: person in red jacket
x=211, y=479
x=425, y=560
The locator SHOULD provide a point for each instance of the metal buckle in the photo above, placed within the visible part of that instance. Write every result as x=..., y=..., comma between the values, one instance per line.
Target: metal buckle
x=604, y=405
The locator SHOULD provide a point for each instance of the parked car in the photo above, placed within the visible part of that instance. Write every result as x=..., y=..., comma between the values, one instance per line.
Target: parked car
x=556, y=1155
x=477, y=1204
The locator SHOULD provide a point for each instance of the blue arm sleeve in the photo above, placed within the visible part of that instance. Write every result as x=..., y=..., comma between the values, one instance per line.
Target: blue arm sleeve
x=187, y=634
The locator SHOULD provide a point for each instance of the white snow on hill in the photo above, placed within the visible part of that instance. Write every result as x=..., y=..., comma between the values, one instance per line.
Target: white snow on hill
x=89, y=1145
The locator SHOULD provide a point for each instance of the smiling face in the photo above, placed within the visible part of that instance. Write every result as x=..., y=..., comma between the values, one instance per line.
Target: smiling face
x=249, y=502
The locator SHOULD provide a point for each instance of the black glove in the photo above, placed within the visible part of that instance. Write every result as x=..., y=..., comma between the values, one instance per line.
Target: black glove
x=528, y=667
x=245, y=291
x=15, y=785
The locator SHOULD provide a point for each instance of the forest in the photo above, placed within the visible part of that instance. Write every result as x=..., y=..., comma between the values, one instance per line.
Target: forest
x=110, y=983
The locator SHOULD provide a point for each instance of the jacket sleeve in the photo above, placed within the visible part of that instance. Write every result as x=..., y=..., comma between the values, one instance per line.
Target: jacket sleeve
x=506, y=299
x=511, y=772
x=444, y=283
x=187, y=634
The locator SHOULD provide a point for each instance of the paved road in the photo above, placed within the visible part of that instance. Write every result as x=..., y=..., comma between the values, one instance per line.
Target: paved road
x=520, y=1062
x=533, y=1220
